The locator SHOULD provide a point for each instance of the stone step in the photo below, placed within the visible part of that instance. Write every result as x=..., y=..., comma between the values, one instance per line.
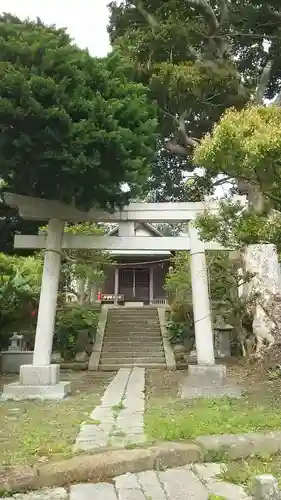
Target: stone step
x=132, y=338
x=132, y=316
x=137, y=321
x=117, y=347
x=130, y=310
x=132, y=348
x=132, y=333
x=116, y=366
x=110, y=344
x=140, y=317
x=145, y=359
x=135, y=337
x=132, y=324
x=128, y=329
x=132, y=354
x=147, y=331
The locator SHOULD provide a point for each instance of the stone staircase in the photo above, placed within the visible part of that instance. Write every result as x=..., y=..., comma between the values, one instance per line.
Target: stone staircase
x=132, y=338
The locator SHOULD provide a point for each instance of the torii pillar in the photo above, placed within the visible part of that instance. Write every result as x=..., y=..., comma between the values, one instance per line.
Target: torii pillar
x=41, y=380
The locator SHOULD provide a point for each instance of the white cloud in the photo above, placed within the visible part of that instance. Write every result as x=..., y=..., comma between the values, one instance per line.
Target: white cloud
x=86, y=20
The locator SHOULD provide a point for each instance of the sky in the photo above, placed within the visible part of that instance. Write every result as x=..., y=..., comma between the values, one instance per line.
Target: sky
x=85, y=20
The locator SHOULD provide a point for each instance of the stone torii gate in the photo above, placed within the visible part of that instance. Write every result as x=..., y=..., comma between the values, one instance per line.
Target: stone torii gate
x=42, y=379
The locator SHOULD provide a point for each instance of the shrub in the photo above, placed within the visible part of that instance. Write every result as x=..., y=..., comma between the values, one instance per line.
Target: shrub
x=70, y=321
x=180, y=323
x=19, y=292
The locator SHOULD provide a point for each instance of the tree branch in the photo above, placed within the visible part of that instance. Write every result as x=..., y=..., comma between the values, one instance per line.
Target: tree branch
x=208, y=14
x=224, y=12
x=151, y=20
x=174, y=148
x=189, y=142
x=275, y=13
x=264, y=80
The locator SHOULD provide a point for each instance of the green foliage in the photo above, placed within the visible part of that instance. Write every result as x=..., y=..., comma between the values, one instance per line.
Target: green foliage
x=180, y=332
x=178, y=421
x=84, y=267
x=73, y=127
x=87, y=264
x=178, y=280
x=178, y=286
x=70, y=320
x=224, y=279
x=20, y=280
x=234, y=226
x=246, y=145
x=199, y=58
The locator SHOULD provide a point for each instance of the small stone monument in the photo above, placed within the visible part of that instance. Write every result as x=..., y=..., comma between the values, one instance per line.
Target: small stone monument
x=222, y=338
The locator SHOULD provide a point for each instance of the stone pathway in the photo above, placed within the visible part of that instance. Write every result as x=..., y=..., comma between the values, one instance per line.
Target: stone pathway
x=196, y=482
x=118, y=420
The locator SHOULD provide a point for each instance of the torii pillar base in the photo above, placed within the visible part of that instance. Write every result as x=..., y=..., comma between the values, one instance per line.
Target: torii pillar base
x=209, y=381
x=37, y=382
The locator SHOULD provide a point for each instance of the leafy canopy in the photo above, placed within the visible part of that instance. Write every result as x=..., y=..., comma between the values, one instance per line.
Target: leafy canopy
x=235, y=226
x=20, y=280
x=199, y=58
x=73, y=127
x=247, y=145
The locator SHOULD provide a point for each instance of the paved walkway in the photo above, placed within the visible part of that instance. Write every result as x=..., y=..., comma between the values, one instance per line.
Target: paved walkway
x=118, y=420
x=195, y=482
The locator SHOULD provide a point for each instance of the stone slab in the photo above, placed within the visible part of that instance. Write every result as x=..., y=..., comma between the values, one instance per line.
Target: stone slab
x=17, y=392
x=266, y=488
x=100, y=491
x=241, y=445
x=44, y=494
x=115, y=425
x=181, y=484
x=208, y=472
x=39, y=375
x=128, y=487
x=151, y=485
x=227, y=490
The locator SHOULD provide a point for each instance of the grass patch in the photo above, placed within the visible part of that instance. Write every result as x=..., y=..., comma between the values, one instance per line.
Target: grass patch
x=94, y=422
x=131, y=446
x=118, y=433
x=120, y=406
x=176, y=420
x=32, y=432
x=243, y=472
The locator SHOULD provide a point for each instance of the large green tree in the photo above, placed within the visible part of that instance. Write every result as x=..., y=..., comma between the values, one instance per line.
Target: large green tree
x=72, y=127
x=199, y=58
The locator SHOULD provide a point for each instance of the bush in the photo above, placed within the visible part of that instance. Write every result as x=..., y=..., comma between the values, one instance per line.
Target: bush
x=70, y=321
x=180, y=323
x=19, y=293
